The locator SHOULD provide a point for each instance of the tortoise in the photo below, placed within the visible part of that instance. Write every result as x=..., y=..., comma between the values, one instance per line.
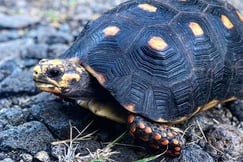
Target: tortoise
x=152, y=64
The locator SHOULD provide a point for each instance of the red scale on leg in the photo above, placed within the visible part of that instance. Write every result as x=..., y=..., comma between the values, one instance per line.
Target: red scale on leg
x=159, y=137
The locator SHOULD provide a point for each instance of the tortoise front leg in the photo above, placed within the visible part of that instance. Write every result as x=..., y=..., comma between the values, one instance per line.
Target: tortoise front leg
x=110, y=110
x=160, y=137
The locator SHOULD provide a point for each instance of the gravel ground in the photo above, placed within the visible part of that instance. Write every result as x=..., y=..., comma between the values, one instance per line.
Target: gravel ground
x=30, y=121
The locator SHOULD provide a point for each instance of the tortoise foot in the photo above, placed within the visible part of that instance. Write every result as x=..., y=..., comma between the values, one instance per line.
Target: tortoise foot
x=158, y=136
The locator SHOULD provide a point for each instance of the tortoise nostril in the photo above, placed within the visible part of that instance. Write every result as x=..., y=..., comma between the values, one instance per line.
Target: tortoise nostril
x=36, y=70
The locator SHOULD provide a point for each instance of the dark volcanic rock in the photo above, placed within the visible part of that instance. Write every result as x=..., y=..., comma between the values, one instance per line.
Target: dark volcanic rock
x=227, y=142
x=56, y=50
x=17, y=83
x=7, y=68
x=236, y=109
x=12, y=49
x=17, y=21
x=49, y=35
x=35, y=51
x=59, y=37
x=12, y=117
x=31, y=137
x=193, y=153
x=57, y=115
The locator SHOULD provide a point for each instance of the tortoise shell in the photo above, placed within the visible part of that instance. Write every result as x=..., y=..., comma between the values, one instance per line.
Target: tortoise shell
x=165, y=59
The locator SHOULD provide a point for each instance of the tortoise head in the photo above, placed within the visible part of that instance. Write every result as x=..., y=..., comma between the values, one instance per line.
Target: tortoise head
x=63, y=77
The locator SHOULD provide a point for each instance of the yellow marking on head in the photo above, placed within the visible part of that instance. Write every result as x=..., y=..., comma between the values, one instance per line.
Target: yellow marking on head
x=196, y=29
x=130, y=107
x=111, y=30
x=210, y=105
x=157, y=43
x=100, y=77
x=147, y=7
x=66, y=78
x=239, y=15
x=54, y=90
x=55, y=62
x=227, y=23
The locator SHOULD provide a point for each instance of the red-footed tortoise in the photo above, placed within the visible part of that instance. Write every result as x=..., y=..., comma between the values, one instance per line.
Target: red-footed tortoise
x=152, y=63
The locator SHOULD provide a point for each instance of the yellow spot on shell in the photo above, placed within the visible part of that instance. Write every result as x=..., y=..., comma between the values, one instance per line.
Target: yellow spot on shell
x=227, y=23
x=111, y=30
x=157, y=43
x=196, y=29
x=130, y=107
x=100, y=77
x=239, y=15
x=147, y=7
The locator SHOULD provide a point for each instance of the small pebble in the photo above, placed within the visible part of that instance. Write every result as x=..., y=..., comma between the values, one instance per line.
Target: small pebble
x=42, y=156
x=26, y=157
x=7, y=160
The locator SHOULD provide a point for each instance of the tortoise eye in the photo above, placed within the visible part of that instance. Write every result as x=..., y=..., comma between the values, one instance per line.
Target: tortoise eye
x=54, y=72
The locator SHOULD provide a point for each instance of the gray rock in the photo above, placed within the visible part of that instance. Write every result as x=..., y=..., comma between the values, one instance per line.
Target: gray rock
x=7, y=160
x=19, y=82
x=56, y=50
x=226, y=142
x=236, y=109
x=35, y=51
x=12, y=49
x=59, y=37
x=49, y=35
x=42, y=33
x=26, y=157
x=42, y=156
x=7, y=68
x=57, y=114
x=9, y=35
x=12, y=117
x=193, y=153
x=17, y=21
x=31, y=137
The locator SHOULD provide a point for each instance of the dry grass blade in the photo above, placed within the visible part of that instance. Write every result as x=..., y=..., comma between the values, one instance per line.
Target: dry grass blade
x=201, y=130
x=79, y=137
x=69, y=152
